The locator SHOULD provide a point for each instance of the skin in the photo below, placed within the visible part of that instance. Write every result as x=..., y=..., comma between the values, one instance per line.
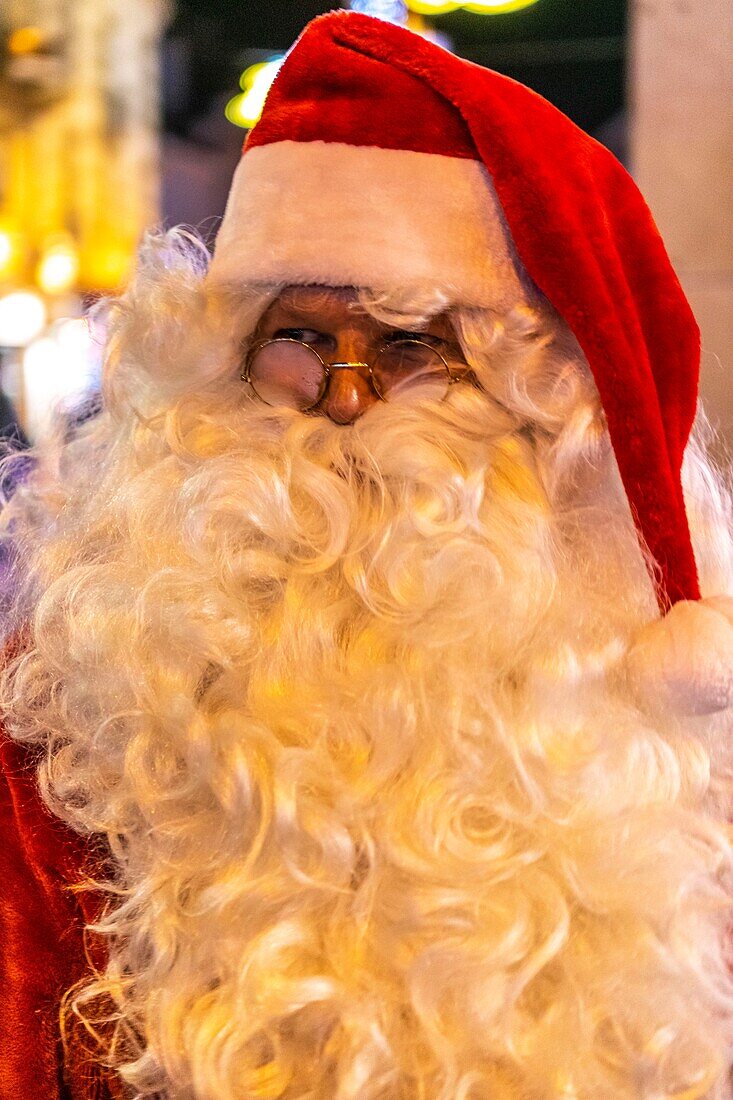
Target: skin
x=331, y=320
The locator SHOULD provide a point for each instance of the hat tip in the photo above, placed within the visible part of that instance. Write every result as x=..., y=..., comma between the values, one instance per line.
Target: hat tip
x=682, y=664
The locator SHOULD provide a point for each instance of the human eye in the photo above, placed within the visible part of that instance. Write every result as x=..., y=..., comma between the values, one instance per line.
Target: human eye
x=309, y=336
x=397, y=335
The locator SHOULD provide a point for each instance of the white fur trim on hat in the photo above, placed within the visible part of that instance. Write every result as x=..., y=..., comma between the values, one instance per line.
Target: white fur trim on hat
x=348, y=215
x=683, y=664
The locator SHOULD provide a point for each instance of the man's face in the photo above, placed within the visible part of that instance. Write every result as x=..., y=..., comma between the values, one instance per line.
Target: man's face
x=331, y=321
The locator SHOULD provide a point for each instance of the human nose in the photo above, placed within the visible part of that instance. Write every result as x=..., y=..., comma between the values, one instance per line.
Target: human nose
x=350, y=392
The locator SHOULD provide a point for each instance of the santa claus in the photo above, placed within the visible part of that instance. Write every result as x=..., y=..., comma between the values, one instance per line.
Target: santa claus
x=366, y=734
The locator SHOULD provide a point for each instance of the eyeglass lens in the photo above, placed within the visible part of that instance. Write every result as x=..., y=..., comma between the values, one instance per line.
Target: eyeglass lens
x=288, y=372
x=404, y=365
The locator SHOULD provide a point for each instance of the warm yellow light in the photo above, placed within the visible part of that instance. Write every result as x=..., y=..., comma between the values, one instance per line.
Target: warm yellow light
x=22, y=318
x=433, y=7
x=106, y=267
x=11, y=249
x=497, y=7
x=25, y=40
x=234, y=112
x=478, y=7
x=245, y=109
x=7, y=251
x=58, y=268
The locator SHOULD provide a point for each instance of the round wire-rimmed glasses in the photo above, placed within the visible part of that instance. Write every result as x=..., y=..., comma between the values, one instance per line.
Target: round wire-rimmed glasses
x=284, y=371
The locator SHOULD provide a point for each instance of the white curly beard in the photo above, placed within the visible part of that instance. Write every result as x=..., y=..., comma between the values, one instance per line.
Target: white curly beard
x=344, y=702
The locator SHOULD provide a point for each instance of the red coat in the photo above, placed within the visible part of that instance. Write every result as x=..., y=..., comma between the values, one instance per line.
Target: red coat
x=41, y=943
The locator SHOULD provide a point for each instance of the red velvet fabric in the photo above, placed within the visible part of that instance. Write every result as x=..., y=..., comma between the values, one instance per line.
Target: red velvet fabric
x=580, y=225
x=41, y=943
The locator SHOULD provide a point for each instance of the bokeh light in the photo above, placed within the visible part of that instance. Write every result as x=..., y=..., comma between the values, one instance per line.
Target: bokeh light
x=58, y=370
x=6, y=251
x=478, y=7
x=432, y=7
x=22, y=318
x=58, y=267
x=245, y=109
x=392, y=11
x=497, y=7
x=25, y=40
x=106, y=266
x=12, y=250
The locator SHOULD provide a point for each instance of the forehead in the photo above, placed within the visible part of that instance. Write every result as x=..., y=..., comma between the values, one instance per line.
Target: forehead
x=338, y=304
x=317, y=299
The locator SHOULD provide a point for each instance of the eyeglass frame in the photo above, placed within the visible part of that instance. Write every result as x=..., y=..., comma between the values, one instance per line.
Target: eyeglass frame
x=245, y=373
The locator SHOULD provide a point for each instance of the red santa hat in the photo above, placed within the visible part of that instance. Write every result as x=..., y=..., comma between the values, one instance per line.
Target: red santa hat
x=382, y=159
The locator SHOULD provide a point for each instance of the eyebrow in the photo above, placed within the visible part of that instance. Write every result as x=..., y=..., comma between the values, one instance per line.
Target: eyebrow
x=295, y=310
x=320, y=312
x=323, y=311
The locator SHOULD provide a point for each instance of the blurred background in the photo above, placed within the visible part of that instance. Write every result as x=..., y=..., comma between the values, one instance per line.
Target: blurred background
x=119, y=114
